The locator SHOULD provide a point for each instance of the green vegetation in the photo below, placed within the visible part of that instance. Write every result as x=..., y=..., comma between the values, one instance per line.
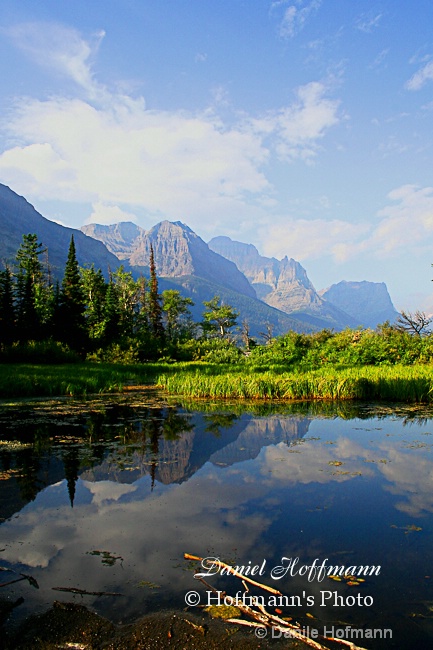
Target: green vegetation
x=397, y=383
x=120, y=332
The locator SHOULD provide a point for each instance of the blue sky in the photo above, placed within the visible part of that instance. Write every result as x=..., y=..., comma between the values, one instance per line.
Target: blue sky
x=304, y=127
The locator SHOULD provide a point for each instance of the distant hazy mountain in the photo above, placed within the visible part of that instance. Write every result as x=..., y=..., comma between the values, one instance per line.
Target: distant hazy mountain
x=282, y=284
x=119, y=238
x=18, y=218
x=368, y=303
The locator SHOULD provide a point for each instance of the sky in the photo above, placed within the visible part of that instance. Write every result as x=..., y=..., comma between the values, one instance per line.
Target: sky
x=302, y=127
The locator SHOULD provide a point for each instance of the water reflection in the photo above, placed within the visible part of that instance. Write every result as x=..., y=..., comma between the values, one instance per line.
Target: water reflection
x=149, y=480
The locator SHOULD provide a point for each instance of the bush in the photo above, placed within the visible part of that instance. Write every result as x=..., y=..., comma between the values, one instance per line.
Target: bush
x=49, y=351
x=210, y=350
x=116, y=353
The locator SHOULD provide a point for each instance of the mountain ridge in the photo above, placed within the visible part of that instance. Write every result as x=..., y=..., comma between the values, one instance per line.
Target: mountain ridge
x=18, y=217
x=266, y=291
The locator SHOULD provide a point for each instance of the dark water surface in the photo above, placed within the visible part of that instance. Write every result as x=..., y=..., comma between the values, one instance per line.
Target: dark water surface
x=107, y=496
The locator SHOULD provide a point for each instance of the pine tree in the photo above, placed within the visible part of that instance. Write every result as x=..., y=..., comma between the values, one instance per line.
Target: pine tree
x=72, y=305
x=154, y=302
x=29, y=286
x=111, y=315
x=7, y=311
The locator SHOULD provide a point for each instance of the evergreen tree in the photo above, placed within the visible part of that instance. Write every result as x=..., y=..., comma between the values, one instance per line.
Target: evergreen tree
x=7, y=312
x=154, y=301
x=111, y=315
x=72, y=305
x=30, y=286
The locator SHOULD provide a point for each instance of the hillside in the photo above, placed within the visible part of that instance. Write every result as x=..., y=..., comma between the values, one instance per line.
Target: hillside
x=18, y=218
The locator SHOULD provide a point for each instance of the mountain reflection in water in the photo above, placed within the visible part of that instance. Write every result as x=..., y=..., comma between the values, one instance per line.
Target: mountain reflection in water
x=108, y=495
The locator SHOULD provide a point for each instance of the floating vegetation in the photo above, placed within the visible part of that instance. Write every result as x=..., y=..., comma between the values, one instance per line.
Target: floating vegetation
x=223, y=611
x=149, y=585
x=107, y=558
x=411, y=528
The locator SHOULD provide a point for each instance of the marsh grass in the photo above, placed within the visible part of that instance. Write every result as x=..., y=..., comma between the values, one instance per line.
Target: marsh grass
x=397, y=383
x=33, y=380
x=388, y=383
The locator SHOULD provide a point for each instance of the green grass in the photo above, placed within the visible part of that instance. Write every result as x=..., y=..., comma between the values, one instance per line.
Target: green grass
x=34, y=380
x=397, y=383
x=388, y=383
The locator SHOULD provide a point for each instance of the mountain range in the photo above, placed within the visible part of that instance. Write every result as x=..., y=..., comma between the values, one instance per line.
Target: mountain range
x=268, y=293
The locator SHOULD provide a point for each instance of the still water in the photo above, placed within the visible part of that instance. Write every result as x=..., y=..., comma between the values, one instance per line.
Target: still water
x=108, y=495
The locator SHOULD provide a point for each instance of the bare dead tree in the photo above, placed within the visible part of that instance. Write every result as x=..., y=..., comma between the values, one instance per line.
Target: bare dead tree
x=416, y=323
x=268, y=334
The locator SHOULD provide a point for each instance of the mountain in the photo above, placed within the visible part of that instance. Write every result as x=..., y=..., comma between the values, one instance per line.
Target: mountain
x=185, y=262
x=18, y=218
x=282, y=284
x=368, y=303
x=118, y=238
x=178, y=252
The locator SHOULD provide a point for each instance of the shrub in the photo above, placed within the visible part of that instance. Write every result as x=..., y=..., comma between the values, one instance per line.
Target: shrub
x=48, y=351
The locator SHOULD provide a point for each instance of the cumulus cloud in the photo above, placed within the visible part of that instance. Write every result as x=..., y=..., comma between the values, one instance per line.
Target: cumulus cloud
x=309, y=239
x=406, y=223
x=108, y=149
x=297, y=129
x=421, y=77
x=108, y=214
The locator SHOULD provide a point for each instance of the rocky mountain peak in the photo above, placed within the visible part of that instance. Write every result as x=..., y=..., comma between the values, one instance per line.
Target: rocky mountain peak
x=368, y=303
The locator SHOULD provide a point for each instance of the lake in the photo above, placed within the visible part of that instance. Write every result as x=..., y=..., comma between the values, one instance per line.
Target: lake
x=106, y=495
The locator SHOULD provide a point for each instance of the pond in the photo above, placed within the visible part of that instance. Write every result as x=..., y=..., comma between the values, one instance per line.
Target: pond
x=107, y=495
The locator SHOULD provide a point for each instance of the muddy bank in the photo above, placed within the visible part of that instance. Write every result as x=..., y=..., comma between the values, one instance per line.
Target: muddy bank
x=71, y=626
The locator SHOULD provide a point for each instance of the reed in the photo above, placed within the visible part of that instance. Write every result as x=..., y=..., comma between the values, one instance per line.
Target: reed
x=387, y=383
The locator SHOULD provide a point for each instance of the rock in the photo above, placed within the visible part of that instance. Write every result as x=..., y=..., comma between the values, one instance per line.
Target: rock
x=368, y=303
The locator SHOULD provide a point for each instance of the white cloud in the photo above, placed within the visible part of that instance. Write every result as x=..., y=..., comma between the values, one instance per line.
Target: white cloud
x=295, y=16
x=60, y=48
x=421, y=77
x=297, y=129
x=106, y=148
x=406, y=224
x=368, y=22
x=108, y=214
x=307, y=239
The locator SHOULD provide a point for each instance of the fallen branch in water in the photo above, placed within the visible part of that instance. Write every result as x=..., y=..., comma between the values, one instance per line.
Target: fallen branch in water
x=261, y=617
x=22, y=576
x=83, y=592
x=229, y=569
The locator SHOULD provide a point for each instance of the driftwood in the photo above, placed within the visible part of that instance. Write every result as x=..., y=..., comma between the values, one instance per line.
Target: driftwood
x=22, y=576
x=261, y=617
x=83, y=592
x=233, y=571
